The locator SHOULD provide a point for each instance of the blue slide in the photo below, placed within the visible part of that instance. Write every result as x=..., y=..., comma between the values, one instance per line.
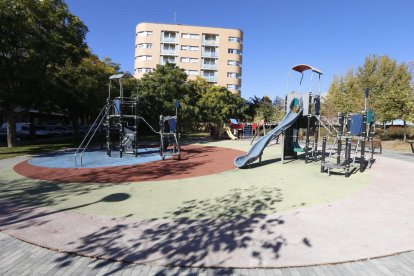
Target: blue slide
x=257, y=149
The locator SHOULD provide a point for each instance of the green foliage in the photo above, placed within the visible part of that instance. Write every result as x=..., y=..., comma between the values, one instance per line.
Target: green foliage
x=388, y=82
x=158, y=91
x=219, y=104
x=264, y=109
x=36, y=37
x=80, y=90
x=200, y=103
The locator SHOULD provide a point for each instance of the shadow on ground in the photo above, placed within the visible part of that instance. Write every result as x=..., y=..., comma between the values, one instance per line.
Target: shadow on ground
x=204, y=233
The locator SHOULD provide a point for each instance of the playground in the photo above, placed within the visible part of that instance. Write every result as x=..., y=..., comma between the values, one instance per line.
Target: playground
x=273, y=215
x=229, y=204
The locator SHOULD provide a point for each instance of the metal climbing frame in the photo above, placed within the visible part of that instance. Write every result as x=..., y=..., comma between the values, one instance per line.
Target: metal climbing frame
x=311, y=109
x=120, y=116
x=169, y=134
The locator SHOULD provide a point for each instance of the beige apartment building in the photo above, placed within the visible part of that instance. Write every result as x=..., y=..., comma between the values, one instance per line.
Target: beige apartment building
x=214, y=54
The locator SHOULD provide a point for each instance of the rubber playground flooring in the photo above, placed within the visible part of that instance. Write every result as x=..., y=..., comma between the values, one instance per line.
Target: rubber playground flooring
x=273, y=215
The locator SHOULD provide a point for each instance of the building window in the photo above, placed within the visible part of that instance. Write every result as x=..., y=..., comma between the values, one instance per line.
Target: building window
x=189, y=60
x=191, y=72
x=234, y=63
x=144, y=45
x=190, y=36
x=144, y=57
x=233, y=75
x=233, y=87
x=234, y=51
x=234, y=39
x=189, y=48
x=169, y=37
x=211, y=61
x=143, y=70
x=167, y=59
x=144, y=33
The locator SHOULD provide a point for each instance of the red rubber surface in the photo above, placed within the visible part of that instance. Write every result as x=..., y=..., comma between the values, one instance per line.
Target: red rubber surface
x=196, y=161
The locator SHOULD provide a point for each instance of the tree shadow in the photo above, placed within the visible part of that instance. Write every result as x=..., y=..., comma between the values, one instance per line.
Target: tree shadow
x=200, y=233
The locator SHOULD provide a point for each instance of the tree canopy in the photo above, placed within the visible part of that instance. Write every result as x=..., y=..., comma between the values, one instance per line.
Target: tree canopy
x=36, y=37
x=388, y=83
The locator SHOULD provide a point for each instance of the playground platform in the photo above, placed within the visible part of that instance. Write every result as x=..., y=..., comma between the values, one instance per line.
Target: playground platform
x=270, y=216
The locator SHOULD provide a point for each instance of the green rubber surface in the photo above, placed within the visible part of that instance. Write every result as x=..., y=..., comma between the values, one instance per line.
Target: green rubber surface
x=269, y=188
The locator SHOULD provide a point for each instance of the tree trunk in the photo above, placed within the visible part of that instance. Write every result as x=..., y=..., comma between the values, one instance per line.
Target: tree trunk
x=384, y=128
x=405, y=131
x=11, y=129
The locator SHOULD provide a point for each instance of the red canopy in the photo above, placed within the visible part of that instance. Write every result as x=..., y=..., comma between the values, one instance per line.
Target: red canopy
x=303, y=67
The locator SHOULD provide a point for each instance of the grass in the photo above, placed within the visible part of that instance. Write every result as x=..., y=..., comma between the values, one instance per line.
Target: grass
x=397, y=146
x=6, y=152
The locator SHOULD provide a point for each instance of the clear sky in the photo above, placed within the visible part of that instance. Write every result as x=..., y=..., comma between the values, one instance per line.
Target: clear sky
x=332, y=35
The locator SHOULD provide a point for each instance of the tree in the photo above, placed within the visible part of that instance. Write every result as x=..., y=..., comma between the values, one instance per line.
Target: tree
x=219, y=104
x=36, y=37
x=157, y=91
x=264, y=109
x=80, y=90
x=388, y=82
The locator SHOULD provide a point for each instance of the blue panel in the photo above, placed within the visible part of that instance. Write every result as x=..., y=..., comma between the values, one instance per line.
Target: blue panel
x=117, y=106
x=356, y=124
x=95, y=159
x=173, y=125
x=234, y=121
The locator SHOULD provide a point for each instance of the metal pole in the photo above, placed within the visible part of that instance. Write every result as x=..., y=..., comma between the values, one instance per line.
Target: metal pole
x=341, y=127
x=323, y=154
x=364, y=134
x=307, y=139
x=347, y=157
x=162, y=136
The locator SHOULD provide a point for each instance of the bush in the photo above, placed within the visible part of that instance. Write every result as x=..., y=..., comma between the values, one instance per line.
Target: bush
x=394, y=132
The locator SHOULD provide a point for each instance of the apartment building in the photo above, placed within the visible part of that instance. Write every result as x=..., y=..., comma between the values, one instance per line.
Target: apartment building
x=214, y=54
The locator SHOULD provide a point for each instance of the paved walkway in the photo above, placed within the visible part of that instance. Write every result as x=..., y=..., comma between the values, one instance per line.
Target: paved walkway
x=20, y=258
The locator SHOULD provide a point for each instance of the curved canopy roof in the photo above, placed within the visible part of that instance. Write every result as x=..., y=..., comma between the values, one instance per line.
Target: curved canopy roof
x=303, y=67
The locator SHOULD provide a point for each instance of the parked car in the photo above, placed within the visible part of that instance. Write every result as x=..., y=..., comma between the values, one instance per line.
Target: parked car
x=83, y=129
x=42, y=131
x=55, y=131
x=22, y=129
x=60, y=130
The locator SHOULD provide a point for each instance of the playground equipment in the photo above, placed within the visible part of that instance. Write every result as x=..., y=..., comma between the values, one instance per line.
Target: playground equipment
x=120, y=118
x=168, y=134
x=257, y=149
x=309, y=119
x=303, y=112
x=229, y=133
x=352, y=129
x=299, y=114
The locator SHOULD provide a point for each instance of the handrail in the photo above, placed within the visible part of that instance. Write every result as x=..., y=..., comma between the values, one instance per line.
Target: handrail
x=157, y=132
x=328, y=129
x=90, y=139
x=89, y=131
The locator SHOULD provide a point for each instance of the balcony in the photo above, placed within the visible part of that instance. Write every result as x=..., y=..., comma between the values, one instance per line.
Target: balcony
x=164, y=62
x=169, y=39
x=169, y=52
x=209, y=54
x=209, y=66
x=210, y=42
x=210, y=78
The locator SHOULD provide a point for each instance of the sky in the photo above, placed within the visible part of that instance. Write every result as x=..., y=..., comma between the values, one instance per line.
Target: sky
x=332, y=35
